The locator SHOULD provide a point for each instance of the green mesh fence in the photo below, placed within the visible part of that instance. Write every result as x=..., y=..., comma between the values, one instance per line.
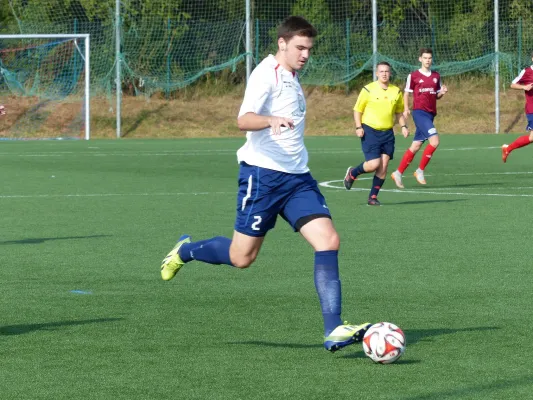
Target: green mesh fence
x=47, y=77
x=169, y=44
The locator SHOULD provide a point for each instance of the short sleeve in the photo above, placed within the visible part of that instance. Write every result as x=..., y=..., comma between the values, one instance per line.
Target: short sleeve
x=519, y=77
x=399, y=103
x=257, y=92
x=362, y=100
x=409, y=84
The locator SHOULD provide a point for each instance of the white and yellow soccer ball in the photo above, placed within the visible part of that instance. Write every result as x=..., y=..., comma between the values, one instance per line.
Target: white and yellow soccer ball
x=384, y=343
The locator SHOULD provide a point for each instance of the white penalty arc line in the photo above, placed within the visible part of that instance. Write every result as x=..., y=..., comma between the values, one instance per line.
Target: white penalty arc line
x=465, y=174
x=329, y=185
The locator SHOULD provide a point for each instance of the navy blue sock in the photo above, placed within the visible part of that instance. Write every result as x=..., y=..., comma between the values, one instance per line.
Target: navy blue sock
x=355, y=172
x=328, y=287
x=376, y=185
x=211, y=251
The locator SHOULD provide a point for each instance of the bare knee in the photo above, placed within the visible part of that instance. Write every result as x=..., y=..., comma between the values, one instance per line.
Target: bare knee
x=329, y=242
x=434, y=141
x=372, y=165
x=242, y=260
x=415, y=146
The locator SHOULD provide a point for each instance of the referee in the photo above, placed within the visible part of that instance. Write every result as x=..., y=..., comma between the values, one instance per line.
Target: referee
x=378, y=106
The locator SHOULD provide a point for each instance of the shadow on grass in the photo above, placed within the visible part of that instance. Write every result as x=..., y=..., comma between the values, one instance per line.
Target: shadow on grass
x=413, y=336
x=42, y=240
x=143, y=115
x=476, y=391
x=416, y=335
x=279, y=345
x=48, y=326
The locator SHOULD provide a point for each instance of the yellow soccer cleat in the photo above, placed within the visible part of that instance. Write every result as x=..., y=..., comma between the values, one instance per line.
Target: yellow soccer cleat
x=344, y=335
x=172, y=263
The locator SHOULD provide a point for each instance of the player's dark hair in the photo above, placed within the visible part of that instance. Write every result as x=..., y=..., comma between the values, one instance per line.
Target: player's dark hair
x=296, y=26
x=425, y=50
x=383, y=63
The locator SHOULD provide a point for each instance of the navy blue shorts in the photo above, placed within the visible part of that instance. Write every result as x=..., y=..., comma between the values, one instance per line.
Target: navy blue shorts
x=376, y=142
x=424, y=125
x=529, y=126
x=264, y=194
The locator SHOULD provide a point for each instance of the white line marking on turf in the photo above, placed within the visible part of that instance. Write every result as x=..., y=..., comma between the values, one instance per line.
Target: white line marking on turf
x=44, y=196
x=328, y=184
x=192, y=152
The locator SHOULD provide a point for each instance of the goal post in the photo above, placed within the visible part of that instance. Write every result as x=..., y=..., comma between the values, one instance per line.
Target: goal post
x=45, y=67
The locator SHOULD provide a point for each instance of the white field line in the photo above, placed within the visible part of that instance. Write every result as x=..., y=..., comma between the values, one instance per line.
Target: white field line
x=46, y=196
x=329, y=185
x=365, y=178
x=192, y=152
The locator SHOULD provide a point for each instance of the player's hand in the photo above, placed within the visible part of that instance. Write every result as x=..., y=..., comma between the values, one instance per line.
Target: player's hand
x=360, y=132
x=406, y=113
x=443, y=89
x=2, y=110
x=277, y=122
x=405, y=132
x=527, y=88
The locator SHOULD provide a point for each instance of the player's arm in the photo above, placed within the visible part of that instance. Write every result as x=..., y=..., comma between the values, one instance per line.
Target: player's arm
x=443, y=89
x=255, y=122
x=358, y=110
x=256, y=95
x=519, y=86
x=400, y=114
x=358, y=117
x=517, y=83
x=408, y=89
x=406, y=110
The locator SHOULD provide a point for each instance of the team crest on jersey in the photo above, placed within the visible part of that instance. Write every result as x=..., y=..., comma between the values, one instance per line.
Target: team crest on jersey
x=435, y=80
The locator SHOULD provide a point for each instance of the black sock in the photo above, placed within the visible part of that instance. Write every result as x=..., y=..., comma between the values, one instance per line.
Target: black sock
x=376, y=185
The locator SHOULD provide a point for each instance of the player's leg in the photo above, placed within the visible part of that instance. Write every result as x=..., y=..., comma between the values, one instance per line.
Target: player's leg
x=370, y=147
x=424, y=123
x=379, y=180
x=386, y=150
x=308, y=214
x=521, y=141
x=255, y=217
x=407, y=158
x=240, y=251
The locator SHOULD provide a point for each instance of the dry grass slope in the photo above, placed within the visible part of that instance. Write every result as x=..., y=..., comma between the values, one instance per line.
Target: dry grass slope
x=468, y=108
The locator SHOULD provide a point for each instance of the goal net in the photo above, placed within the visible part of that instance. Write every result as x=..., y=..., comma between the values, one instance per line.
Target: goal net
x=44, y=86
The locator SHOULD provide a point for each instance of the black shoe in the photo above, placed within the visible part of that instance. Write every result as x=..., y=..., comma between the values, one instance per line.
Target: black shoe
x=373, y=201
x=348, y=180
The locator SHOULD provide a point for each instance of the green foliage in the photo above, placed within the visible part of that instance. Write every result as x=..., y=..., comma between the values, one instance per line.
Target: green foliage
x=169, y=44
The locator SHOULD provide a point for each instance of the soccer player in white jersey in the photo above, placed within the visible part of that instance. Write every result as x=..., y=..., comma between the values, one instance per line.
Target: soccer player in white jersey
x=274, y=180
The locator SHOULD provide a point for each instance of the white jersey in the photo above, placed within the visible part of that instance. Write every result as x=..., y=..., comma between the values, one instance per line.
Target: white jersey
x=274, y=91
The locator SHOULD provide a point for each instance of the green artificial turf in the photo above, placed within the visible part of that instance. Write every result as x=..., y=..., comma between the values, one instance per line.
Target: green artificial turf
x=85, y=315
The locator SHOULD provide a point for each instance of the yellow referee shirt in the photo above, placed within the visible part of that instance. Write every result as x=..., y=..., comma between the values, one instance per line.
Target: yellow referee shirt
x=379, y=105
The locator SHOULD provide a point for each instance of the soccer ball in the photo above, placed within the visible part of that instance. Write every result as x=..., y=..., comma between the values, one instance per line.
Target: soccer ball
x=384, y=343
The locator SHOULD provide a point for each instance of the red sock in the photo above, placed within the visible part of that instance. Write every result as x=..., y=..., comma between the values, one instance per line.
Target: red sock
x=520, y=142
x=406, y=160
x=426, y=156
